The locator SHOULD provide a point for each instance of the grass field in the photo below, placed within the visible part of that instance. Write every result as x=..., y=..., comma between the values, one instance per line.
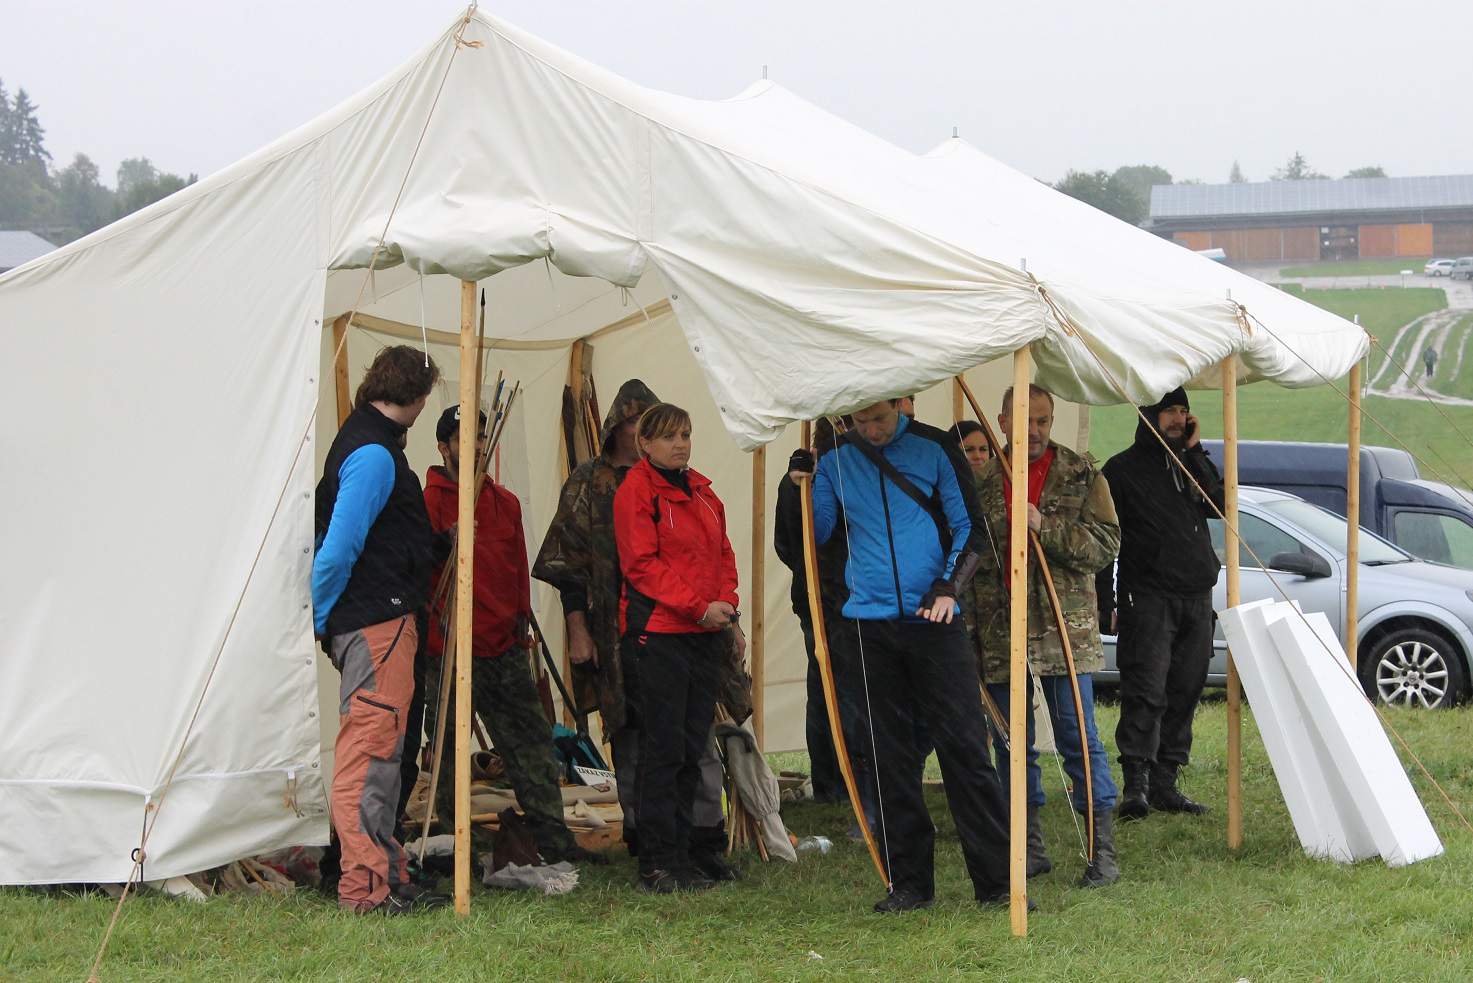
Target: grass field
x=1357, y=267
x=1269, y=412
x=1187, y=909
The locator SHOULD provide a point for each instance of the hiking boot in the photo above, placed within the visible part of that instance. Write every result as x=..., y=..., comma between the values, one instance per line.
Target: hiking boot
x=1135, y=800
x=1166, y=797
x=419, y=897
x=1038, y=861
x=902, y=899
x=1102, y=869
x=658, y=881
x=715, y=866
x=692, y=878
x=1002, y=899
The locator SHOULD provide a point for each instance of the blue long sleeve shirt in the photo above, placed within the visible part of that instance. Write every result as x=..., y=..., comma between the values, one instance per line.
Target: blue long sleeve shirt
x=895, y=553
x=365, y=481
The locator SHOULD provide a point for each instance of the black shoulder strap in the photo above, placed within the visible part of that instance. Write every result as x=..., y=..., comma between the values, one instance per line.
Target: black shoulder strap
x=931, y=506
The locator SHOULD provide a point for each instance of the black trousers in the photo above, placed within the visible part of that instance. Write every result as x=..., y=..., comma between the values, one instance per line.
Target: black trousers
x=678, y=682
x=1163, y=650
x=823, y=763
x=919, y=670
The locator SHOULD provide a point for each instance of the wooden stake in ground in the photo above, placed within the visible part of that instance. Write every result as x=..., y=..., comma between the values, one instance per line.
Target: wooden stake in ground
x=1018, y=669
x=465, y=594
x=757, y=604
x=1230, y=546
x=1352, y=521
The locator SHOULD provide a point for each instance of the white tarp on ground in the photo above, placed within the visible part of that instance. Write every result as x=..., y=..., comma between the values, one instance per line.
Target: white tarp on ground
x=170, y=369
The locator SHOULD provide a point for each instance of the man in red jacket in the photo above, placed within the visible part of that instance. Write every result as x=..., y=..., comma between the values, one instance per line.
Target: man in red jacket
x=502, y=689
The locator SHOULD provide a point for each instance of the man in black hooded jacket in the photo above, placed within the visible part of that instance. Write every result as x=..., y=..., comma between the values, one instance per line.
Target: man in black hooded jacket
x=1162, y=600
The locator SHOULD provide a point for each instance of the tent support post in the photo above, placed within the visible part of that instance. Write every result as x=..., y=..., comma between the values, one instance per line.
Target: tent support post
x=958, y=401
x=340, y=368
x=1352, y=522
x=757, y=625
x=1018, y=670
x=1230, y=546
x=464, y=596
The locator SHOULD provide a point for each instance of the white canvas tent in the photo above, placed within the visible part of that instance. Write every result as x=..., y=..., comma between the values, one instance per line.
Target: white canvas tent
x=171, y=367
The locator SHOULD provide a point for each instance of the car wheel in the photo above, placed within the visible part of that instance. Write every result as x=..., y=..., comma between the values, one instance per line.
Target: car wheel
x=1413, y=667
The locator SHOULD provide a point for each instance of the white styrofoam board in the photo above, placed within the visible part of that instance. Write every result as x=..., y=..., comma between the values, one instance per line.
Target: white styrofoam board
x=1363, y=755
x=1305, y=773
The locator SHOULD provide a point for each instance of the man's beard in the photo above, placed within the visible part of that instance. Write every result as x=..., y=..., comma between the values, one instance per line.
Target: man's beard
x=1176, y=441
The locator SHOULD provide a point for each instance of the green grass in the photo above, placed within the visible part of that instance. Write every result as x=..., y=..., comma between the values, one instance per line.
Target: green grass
x=1270, y=412
x=1358, y=267
x=1452, y=376
x=1187, y=909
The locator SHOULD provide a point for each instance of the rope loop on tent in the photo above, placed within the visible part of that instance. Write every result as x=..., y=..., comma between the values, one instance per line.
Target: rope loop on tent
x=1065, y=323
x=1342, y=664
x=465, y=21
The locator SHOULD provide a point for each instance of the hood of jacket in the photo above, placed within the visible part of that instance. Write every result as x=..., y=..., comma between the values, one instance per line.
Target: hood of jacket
x=632, y=399
x=1145, y=434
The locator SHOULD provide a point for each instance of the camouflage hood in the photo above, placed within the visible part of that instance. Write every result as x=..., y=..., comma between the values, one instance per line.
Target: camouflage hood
x=632, y=399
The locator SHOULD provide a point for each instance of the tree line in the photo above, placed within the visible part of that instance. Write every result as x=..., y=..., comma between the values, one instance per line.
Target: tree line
x=1126, y=191
x=62, y=204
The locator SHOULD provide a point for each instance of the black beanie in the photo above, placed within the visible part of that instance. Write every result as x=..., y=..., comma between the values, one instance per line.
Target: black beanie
x=1177, y=397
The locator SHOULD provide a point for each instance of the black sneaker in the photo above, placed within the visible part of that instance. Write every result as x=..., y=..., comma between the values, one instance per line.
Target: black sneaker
x=692, y=878
x=902, y=900
x=715, y=866
x=658, y=881
x=1002, y=899
x=420, y=898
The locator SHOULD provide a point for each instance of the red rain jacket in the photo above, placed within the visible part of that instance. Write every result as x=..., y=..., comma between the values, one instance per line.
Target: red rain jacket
x=672, y=549
x=502, y=588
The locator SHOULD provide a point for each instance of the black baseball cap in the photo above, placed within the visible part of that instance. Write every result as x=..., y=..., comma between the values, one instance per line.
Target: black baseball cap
x=450, y=424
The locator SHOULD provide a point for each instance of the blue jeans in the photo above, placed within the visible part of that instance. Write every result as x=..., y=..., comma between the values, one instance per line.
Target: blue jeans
x=1059, y=697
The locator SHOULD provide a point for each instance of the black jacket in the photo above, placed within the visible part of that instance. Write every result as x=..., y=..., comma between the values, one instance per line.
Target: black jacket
x=787, y=538
x=1165, y=542
x=392, y=575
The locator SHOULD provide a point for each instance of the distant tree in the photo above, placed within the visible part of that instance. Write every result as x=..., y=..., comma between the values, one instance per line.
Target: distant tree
x=28, y=136
x=1106, y=192
x=83, y=203
x=26, y=196
x=140, y=184
x=1235, y=176
x=1140, y=178
x=1298, y=169
x=1368, y=172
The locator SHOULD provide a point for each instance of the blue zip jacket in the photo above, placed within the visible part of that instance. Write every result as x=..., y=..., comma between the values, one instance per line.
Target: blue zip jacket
x=894, y=550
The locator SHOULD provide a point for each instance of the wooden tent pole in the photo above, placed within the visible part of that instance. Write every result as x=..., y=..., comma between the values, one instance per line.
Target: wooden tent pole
x=340, y=368
x=464, y=596
x=1231, y=547
x=1352, y=522
x=1018, y=628
x=578, y=353
x=757, y=624
x=958, y=401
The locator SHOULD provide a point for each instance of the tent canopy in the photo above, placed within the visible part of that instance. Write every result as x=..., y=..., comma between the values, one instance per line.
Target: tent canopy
x=160, y=546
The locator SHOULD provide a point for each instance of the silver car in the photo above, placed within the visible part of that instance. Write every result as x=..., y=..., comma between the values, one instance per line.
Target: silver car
x=1416, y=618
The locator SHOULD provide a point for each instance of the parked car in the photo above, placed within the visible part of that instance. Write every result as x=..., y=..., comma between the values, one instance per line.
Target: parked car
x=1416, y=618
x=1438, y=267
x=1462, y=267
x=1428, y=519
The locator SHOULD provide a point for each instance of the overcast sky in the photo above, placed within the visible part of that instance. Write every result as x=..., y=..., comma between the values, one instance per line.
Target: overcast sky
x=1044, y=87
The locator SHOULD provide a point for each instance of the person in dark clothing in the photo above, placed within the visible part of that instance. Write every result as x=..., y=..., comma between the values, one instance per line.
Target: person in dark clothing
x=680, y=583
x=1161, y=600
x=828, y=783
x=908, y=501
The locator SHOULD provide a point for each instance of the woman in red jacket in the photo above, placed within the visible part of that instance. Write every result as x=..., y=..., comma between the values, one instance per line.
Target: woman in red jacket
x=680, y=584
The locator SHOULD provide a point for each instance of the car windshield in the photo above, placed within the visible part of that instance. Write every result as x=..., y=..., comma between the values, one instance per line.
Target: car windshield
x=1329, y=529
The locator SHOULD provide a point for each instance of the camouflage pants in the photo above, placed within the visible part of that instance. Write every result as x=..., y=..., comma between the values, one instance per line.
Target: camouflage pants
x=505, y=696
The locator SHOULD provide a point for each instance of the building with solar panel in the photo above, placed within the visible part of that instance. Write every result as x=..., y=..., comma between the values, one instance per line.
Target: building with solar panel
x=1352, y=218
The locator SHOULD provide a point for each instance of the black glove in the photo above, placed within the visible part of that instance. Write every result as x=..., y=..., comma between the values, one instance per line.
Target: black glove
x=802, y=460
x=939, y=589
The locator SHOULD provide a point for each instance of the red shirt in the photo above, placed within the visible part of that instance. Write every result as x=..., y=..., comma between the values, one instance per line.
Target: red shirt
x=673, y=549
x=1037, y=475
x=503, y=592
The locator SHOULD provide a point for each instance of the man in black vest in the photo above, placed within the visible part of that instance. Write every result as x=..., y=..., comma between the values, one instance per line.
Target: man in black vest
x=371, y=574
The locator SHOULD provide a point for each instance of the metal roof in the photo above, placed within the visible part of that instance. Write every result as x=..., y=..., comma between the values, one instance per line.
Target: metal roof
x=1293, y=197
x=21, y=247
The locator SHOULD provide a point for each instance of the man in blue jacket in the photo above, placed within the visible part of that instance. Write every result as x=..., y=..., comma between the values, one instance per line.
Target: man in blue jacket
x=902, y=495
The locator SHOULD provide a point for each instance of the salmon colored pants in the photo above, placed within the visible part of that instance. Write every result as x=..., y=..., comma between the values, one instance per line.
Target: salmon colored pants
x=377, y=666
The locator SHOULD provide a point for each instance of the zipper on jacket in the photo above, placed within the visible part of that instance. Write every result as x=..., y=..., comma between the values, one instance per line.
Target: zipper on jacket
x=890, y=537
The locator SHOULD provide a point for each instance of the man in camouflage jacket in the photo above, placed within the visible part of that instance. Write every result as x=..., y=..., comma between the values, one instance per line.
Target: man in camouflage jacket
x=579, y=558
x=1071, y=511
